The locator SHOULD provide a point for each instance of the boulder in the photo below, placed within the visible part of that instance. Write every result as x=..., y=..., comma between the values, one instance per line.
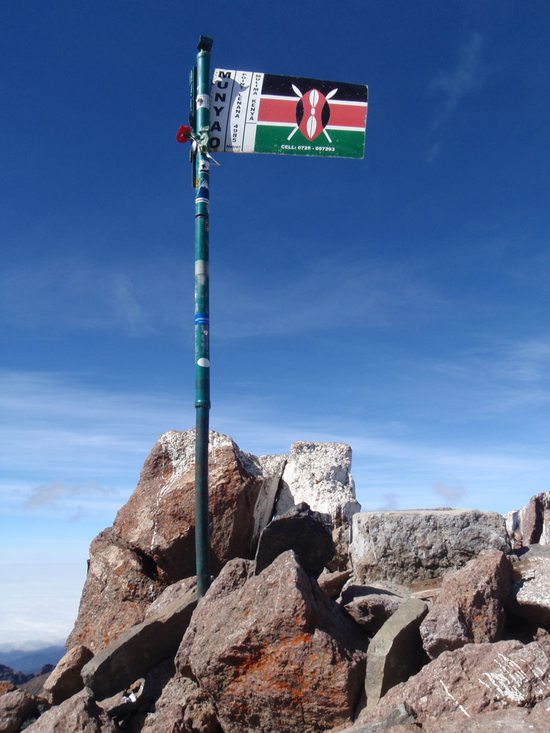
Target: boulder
x=119, y=586
x=470, y=607
x=139, y=649
x=530, y=599
x=16, y=707
x=471, y=680
x=417, y=545
x=319, y=474
x=395, y=652
x=152, y=542
x=273, y=651
x=301, y=530
x=370, y=606
x=531, y=524
x=78, y=713
x=159, y=517
x=65, y=680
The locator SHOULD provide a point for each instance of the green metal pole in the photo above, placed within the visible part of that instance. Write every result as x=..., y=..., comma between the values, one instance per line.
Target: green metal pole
x=202, y=313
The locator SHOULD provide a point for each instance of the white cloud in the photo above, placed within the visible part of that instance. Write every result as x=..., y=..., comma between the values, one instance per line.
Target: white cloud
x=466, y=77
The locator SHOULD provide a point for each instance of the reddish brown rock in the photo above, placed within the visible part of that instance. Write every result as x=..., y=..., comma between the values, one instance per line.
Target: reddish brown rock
x=474, y=679
x=119, y=587
x=509, y=720
x=158, y=519
x=6, y=686
x=79, y=714
x=332, y=583
x=182, y=706
x=16, y=707
x=531, y=524
x=470, y=607
x=139, y=649
x=65, y=680
x=274, y=652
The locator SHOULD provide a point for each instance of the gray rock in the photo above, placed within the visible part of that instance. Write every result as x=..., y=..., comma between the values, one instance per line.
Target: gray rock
x=402, y=715
x=530, y=599
x=139, y=649
x=301, y=530
x=395, y=652
x=416, y=545
x=65, y=680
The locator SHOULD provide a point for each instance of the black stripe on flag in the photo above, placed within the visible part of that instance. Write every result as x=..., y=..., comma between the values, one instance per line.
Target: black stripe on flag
x=282, y=86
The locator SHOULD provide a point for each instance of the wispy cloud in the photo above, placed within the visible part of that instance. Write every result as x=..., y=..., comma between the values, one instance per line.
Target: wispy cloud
x=311, y=298
x=503, y=376
x=70, y=295
x=450, y=493
x=467, y=76
x=74, y=449
x=51, y=495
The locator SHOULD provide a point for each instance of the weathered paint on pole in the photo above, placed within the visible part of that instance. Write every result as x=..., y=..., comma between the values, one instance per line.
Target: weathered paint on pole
x=202, y=311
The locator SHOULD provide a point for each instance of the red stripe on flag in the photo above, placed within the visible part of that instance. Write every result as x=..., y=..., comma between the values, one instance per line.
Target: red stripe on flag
x=284, y=110
x=277, y=110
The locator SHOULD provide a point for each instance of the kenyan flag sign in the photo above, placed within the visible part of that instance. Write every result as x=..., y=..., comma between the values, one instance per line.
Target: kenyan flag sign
x=252, y=112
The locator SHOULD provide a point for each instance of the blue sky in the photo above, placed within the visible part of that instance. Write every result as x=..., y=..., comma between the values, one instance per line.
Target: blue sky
x=399, y=303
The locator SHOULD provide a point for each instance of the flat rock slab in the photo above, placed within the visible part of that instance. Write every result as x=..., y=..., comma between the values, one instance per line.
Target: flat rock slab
x=139, y=649
x=301, y=530
x=476, y=678
x=273, y=652
x=470, y=607
x=395, y=652
x=531, y=586
x=78, y=713
x=416, y=545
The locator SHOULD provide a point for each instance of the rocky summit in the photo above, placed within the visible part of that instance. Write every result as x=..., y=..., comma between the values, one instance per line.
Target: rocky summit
x=319, y=617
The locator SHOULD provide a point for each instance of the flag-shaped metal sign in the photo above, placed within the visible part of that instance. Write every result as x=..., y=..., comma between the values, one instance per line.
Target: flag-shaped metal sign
x=251, y=112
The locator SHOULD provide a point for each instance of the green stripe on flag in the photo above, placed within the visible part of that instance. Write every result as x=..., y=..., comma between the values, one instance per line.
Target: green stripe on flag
x=274, y=139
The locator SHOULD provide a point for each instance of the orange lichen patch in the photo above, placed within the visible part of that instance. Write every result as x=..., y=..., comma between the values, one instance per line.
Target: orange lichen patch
x=268, y=670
